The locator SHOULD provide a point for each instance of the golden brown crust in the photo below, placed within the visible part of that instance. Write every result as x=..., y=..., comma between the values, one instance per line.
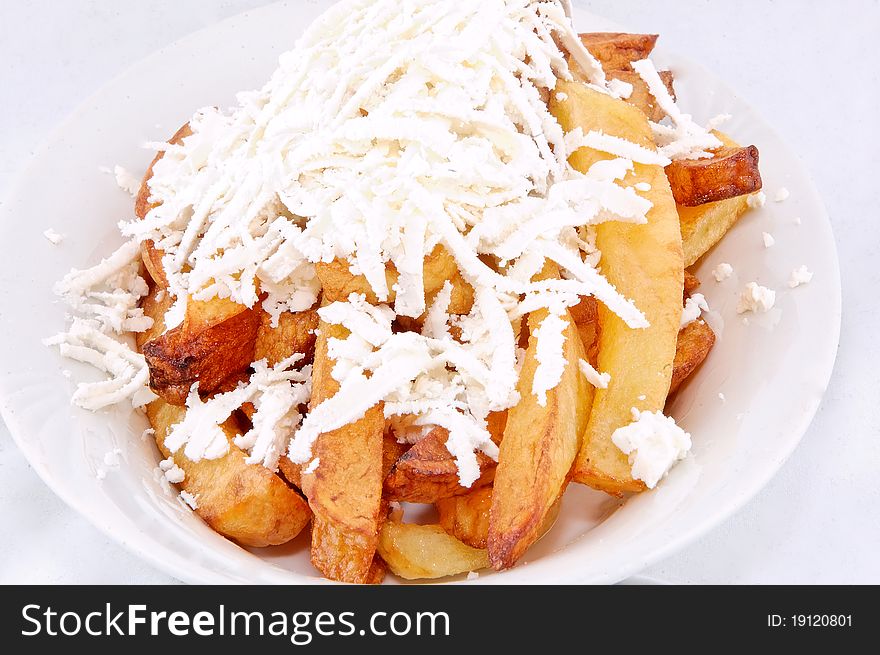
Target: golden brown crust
x=732, y=172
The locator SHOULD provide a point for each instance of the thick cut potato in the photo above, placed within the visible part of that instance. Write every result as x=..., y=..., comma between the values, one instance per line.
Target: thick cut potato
x=427, y=472
x=540, y=443
x=732, y=171
x=617, y=50
x=214, y=342
x=295, y=333
x=245, y=502
x=466, y=517
x=645, y=263
x=695, y=340
x=691, y=283
x=641, y=97
x=586, y=317
x=151, y=255
x=338, y=282
x=345, y=491
x=419, y=552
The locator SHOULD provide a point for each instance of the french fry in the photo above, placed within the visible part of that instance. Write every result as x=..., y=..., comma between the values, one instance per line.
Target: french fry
x=214, y=342
x=151, y=255
x=695, y=340
x=540, y=443
x=691, y=283
x=420, y=552
x=586, y=317
x=731, y=172
x=466, y=517
x=617, y=50
x=427, y=472
x=245, y=502
x=345, y=490
x=645, y=263
x=295, y=333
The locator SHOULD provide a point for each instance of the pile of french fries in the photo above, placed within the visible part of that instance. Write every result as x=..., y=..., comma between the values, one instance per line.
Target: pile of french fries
x=351, y=499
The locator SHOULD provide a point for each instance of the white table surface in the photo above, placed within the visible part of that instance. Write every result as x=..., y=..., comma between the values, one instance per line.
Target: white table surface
x=809, y=66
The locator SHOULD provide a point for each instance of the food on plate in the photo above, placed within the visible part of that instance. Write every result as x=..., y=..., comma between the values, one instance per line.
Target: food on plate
x=418, y=266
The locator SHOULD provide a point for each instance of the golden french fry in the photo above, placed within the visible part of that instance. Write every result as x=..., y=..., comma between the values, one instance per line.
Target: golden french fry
x=540, y=443
x=695, y=340
x=466, y=517
x=641, y=97
x=418, y=552
x=617, y=50
x=731, y=172
x=295, y=333
x=645, y=263
x=245, y=502
x=428, y=472
x=345, y=491
x=151, y=255
x=691, y=283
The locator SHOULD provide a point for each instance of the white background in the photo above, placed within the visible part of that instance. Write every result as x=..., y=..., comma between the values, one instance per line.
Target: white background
x=810, y=67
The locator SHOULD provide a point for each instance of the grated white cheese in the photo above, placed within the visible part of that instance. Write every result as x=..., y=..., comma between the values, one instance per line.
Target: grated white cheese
x=126, y=181
x=755, y=298
x=756, y=200
x=191, y=500
x=693, y=309
x=598, y=380
x=722, y=397
x=550, y=337
x=53, y=237
x=172, y=472
x=782, y=195
x=722, y=271
x=685, y=139
x=799, y=276
x=768, y=239
x=654, y=443
x=312, y=466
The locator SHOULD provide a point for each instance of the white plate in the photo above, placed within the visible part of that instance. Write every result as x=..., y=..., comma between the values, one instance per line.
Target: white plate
x=772, y=372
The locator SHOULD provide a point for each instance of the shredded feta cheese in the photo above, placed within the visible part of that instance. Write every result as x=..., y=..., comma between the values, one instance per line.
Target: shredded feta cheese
x=172, y=472
x=191, y=500
x=550, y=337
x=781, y=195
x=756, y=200
x=722, y=272
x=768, y=239
x=598, y=380
x=654, y=443
x=799, y=276
x=126, y=181
x=693, y=309
x=755, y=298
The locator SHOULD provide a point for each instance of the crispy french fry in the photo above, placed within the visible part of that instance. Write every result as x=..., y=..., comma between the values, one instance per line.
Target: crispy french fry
x=345, y=491
x=419, y=552
x=245, y=502
x=732, y=171
x=645, y=263
x=691, y=283
x=295, y=333
x=427, y=472
x=617, y=50
x=540, y=443
x=151, y=255
x=214, y=342
x=695, y=340
x=466, y=517
x=586, y=318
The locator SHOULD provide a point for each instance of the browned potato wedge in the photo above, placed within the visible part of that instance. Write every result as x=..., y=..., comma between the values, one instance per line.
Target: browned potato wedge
x=245, y=502
x=345, y=491
x=617, y=50
x=149, y=253
x=338, y=282
x=586, y=318
x=704, y=226
x=427, y=472
x=466, y=517
x=645, y=263
x=214, y=342
x=695, y=340
x=419, y=552
x=540, y=443
x=295, y=333
x=691, y=283
x=377, y=571
x=733, y=171
x=641, y=97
